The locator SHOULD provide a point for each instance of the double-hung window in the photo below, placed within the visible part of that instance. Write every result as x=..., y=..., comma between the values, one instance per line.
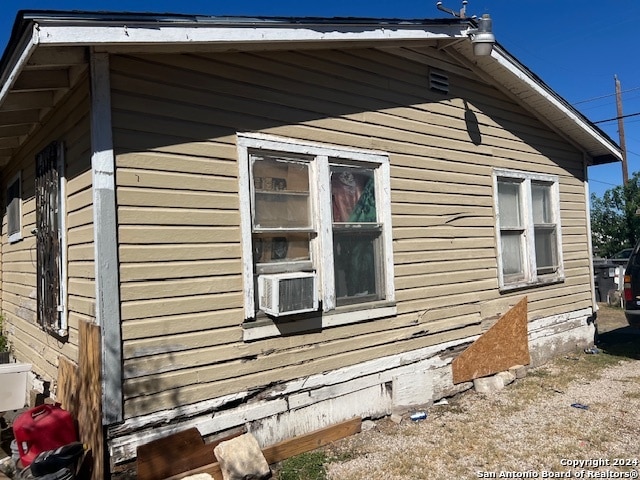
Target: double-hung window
x=320, y=215
x=14, y=209
x=528, y=228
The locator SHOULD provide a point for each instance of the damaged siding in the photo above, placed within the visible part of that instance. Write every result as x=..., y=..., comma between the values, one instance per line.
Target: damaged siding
x=67, y=124
x=179, y=222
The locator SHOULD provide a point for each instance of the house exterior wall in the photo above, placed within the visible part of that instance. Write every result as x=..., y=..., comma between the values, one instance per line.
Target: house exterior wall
x=175, y=121
x=68, y=123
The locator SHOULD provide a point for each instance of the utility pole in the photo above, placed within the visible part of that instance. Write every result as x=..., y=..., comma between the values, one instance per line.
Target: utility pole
x=623, y=145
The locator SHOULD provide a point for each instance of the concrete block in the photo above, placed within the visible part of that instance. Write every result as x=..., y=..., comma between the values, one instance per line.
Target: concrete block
x=507, y=377
x=241, y=458
x=488, y=384
x=520, y=371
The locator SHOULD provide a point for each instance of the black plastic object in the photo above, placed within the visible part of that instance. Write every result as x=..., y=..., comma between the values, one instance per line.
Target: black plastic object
x=53, y=461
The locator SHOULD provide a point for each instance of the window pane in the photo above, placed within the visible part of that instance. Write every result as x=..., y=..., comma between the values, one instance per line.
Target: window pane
x=281, y=194
x=281, y=248
x=355, y=264
x=512, y=263
x=13, y=207
x=509, y=204
x=541, y=200
x=545, y=239
x=353, y=195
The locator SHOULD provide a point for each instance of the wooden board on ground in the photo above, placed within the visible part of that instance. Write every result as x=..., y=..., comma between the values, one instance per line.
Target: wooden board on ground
x=289, y=448
x=503, y=346
x=172, y=455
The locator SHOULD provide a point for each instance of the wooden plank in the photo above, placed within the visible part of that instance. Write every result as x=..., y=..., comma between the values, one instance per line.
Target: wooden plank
x=90, y=393
x=289, y=448
x=311, y=441
x=172, y=455
x=67, y=385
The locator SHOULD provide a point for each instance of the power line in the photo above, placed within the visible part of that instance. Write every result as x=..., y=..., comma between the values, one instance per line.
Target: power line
x=617, y=118
x=604, y=96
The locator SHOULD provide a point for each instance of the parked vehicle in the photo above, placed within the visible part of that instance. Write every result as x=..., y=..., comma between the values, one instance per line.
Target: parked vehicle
x=632, y=288
x=622, y=257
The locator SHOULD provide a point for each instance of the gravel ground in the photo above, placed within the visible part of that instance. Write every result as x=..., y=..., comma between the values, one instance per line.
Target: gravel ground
x=531, y=429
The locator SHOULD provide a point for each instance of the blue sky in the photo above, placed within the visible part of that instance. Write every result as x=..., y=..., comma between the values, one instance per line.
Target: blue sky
x=575, y=46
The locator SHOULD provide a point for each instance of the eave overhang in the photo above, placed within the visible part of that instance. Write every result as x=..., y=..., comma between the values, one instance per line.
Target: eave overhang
x=48, y=53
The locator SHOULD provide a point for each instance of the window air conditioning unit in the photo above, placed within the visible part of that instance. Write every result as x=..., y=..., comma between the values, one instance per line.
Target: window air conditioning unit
x=287, y=293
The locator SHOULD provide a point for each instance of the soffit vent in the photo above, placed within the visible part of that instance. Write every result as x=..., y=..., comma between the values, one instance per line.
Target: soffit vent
x=438, y=81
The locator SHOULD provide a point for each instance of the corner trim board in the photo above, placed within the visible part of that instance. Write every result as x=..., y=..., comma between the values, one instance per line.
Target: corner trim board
x=105, y=243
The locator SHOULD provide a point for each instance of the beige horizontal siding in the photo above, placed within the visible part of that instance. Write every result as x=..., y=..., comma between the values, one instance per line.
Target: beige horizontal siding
x=69, y=123
x=175, y=120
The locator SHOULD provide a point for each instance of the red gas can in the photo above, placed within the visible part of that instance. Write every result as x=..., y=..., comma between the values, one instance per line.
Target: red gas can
x=42, y=428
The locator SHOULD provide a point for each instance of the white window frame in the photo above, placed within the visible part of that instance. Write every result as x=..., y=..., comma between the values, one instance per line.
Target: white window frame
x=17, y=235
x=322, y=247
x=531, y=277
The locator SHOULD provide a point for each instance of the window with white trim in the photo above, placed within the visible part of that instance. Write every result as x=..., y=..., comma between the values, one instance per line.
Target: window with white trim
x=528, y=228
x=315, y=211
x=14, y=208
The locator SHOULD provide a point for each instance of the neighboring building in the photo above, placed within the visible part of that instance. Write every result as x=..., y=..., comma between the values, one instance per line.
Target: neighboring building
x=172, y=178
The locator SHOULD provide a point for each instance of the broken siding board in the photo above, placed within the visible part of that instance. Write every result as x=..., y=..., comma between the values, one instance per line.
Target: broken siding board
x=458, y=221
x=153, y=374
x=168, y=397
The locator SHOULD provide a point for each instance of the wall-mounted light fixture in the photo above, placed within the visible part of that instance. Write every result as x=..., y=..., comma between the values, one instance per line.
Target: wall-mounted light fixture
x=482, y=38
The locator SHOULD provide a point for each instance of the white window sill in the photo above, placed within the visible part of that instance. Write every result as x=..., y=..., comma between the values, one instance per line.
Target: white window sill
x=269, y=329
x=540, y=282
x=15, y=237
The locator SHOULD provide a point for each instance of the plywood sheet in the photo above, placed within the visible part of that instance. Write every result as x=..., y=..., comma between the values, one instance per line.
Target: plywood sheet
x=501, y=347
